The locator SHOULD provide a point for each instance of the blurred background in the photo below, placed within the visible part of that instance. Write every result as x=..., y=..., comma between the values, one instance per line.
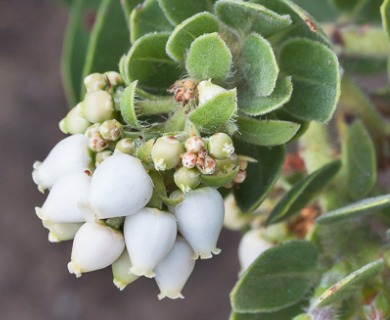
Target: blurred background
x=34, y=280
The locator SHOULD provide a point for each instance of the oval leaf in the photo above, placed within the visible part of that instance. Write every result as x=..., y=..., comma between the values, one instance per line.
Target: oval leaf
x=265, y=132
x=279, y=278
x=209, y=58
x=219, y=180
x=316, y=79
x=127, y=105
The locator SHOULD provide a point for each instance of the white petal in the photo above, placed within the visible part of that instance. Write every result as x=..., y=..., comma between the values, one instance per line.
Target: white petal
x=95, y=246
x=69, y=154
x=121, y=271
x=120, y=186
x=173, y=272
x=200, y=219
x=150, y=235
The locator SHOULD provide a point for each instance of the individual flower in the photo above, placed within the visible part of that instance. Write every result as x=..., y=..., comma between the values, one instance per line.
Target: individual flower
x=121, y=273
x=74, y=122
x=186, y=179
x=207, y=90
x=61, y=231
x=220, y=146
x=98, y=106
x=166, y=153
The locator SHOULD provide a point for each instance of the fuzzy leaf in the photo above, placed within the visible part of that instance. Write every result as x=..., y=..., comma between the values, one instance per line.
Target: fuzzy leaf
x=359, y=160
x=347, y=286
x=265, y=132
x=146, y=18
x=385, y=14
x=316, y=79
x=279, y=278
x=259, y=65
x=212, y=115
x=187, y=31
x=127, y=105
x=250, y=17
x=129, y=5
x=256, y=106
x=209, y=58
x=219, y=180
x=357, y=209
x=261, y=176
x=178, y=10
x=148, y=63
x=303, y=192
x=304, y=125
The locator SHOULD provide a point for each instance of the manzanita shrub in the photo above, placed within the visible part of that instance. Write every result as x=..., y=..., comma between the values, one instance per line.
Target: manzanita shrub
x=182, y=113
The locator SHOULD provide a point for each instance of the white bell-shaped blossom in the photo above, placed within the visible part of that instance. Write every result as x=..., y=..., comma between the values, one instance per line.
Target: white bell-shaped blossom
x=121, y=273
x=62, y=203
x=61, y=231
x=120, y=186
x=208, y=90
x=150, y=234
x=200, y=219
x=68, y=155
x=173, y=272
x=95, y=247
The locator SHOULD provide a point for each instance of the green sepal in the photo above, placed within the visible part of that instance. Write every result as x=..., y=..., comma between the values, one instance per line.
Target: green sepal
x=159, y=190
x=127, y=105
x=303, y=192
x=173, y=202
x=280, y=277
x=186, y=32
x=265, y=132
x=209, y=58
x=220, y=179
x=144, y=152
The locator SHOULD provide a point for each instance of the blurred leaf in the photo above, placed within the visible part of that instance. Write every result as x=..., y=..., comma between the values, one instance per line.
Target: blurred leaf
x=347, y=286
x=322, y=10
x=128, y=107
x=178, y=10
x=279, y=278
x=186, y=32
x=303, y=192
x=212, y=115
x=316, y=79
x=265, y=132
x=260, y=176
x=360, y=10
x=359, y=160
x=256, y=106
x=146, y=18
x=281, y=114
x=385, y=15
x=249, y=17
x=148, y=63
x=259, y=65
x=219, y=180
x=129, y=5
x=357, y=209
x=209, y=58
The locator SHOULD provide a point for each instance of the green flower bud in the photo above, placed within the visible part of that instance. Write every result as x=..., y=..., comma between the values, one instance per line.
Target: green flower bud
x=208, y=90
x=95, y=82
x=114, y=78
x=93, y=130
x=98, y=106
x=220, y=145
x=74, y=122
x=125, y=145
x=111, y=130
x=101, y=156
x=187, y=179
x=166, y=153
x=227, y=164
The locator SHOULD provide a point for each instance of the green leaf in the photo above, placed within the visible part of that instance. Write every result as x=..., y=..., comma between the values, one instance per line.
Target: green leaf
x=219, y=180
x=322, y=10
x=347, y=286
x=303, y=192
x=109, y=39
x=357, y=209
x=148, y=63
x=187, y=31
x=261, y=176
x=178, y=10
x=265, y=132
x=127, y=105
x=209, y=58
x=279, y=278
x=129, y=5
x=249, y=17
x=146, y=18
x=259, y=65
x=316, y=79
x=359, y=160
x=212, y=115
x=385, y=14
x=281, y=114
x=158, y=190
x=256, y=106
x=360, y=10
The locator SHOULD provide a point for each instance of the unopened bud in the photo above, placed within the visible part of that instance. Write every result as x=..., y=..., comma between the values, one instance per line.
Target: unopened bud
x=205, y=163
x=111, y=130
x=74, y=122
x=187, y=179
x=93, y=130
x=114, y=78
x=188, y=159
x=220, y=145
x=166, y=153
x=240, y=177
x=97, y=143
x=61, y=231
x=101, y=156
x=98, y=106
x=95, y=82
x=208, y=90
x=125, y=145
x=228, y=164
x=120, y=271
x=194, y=144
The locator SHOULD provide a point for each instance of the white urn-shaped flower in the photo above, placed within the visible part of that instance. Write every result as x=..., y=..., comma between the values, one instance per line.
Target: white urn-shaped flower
x=61, y=231
x=120, y=271
x=200, y=219
x=149, y=234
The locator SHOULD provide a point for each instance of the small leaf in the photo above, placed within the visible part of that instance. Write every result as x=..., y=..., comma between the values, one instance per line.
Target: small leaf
x=219, y=180
x=265, y=132
x=127, y=105
x=212, y=115
x=279, y=278
x=303, y=192
x=316, y=79
x=385, y=14
x=359, y=160
x=347, y=286
x=146, y=18
x=256, y=106
x=250, y=17
x=178, y=10
x=357, y=209
x=261, y=176
x=209, y=58
x=158, y=190
x=187, y=31
x=285, y=116
x=259, y=65
x=148, y=63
